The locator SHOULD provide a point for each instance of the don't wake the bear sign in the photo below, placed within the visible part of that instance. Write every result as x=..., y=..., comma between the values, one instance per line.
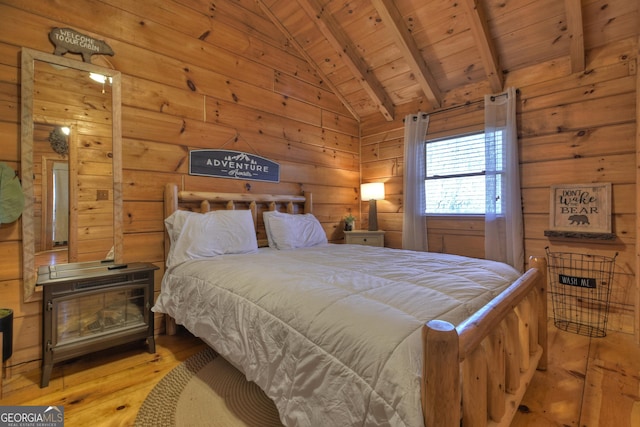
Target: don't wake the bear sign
x=581, y=207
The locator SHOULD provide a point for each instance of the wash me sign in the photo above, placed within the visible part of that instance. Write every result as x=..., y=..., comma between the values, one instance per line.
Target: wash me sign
x=581, y=282
x=233, y=164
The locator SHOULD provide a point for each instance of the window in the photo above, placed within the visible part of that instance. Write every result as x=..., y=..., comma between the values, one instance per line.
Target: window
x=456, y=174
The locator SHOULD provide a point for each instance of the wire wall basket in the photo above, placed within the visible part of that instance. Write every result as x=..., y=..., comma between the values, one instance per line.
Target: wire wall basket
x=580, y=287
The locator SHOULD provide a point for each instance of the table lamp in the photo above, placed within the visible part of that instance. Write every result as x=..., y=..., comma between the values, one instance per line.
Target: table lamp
x=372, y=191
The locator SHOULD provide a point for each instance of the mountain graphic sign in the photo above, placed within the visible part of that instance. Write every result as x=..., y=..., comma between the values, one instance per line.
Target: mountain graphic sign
x=233, y=165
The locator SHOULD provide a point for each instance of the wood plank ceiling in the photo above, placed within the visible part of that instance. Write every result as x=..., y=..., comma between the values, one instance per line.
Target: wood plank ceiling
x=379, y=54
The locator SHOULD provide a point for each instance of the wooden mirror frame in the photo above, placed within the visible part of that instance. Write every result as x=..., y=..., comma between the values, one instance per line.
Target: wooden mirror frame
x=29, y=57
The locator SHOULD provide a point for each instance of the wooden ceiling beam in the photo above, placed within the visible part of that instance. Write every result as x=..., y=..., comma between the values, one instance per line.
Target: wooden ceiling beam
x=480, y=30
x=573, y=9
x=274, y=19
x=403, y=39
x=349, y=54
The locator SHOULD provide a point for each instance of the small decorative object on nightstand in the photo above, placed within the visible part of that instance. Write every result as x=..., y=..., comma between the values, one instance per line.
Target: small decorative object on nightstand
x=364, y=237
x=349, y=221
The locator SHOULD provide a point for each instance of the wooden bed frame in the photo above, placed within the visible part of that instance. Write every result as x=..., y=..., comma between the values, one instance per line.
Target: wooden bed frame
x=475, y=373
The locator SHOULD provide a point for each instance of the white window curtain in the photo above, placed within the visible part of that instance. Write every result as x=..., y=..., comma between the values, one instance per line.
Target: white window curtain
x=414, y=229
x=504, y=236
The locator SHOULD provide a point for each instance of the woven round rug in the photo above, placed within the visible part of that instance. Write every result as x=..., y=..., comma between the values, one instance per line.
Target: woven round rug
x=206, y=390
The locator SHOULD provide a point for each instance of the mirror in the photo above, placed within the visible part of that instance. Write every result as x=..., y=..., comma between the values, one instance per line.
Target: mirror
x=71, y=157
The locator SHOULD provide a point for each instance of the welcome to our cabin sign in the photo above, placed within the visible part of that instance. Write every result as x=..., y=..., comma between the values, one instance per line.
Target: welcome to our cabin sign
x=581, y=208
x=233, y=164
x=69, y=40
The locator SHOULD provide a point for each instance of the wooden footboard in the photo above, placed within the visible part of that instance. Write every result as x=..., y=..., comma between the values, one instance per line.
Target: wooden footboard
x=477, y=373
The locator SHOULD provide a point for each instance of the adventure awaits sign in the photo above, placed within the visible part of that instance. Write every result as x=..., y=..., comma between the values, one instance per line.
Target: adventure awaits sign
x=233, y=164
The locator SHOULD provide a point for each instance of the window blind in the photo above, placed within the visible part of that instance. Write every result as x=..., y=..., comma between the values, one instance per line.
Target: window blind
x=455, y=175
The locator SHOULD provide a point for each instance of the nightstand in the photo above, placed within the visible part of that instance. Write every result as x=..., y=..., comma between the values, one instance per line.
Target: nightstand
x=364, y=237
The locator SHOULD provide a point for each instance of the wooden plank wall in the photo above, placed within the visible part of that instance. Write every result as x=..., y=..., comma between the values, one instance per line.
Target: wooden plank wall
x=195, y=75
x=573, y=128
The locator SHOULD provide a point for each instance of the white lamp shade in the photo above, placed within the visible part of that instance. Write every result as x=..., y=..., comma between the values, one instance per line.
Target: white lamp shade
x=372, y=191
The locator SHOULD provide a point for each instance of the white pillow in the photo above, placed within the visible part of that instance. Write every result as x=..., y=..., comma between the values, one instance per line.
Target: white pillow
x=295, y=231
x=195, y=236
x=266, y=217
x=174, y=223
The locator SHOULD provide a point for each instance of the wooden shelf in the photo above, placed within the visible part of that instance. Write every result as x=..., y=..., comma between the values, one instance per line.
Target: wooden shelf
x=579, y=235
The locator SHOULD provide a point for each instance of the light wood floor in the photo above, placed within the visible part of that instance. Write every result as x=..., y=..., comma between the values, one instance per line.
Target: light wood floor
x=590, y=382
x=106, y=388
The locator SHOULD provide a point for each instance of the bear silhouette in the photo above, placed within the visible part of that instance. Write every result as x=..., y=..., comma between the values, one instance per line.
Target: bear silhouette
x=68, y=40
x=579, y=219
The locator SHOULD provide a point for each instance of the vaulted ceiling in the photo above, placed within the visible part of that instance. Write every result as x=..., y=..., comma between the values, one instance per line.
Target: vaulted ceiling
x=376, y=55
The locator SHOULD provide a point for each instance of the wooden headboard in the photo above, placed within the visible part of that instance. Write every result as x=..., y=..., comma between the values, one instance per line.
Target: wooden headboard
x=204, y=201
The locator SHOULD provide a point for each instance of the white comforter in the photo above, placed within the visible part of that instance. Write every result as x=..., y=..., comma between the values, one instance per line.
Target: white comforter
x=331, y=333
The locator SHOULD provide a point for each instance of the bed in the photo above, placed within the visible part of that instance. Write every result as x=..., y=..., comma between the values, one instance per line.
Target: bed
x=338, y=335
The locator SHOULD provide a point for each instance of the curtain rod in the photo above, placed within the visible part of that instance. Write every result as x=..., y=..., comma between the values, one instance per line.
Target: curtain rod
x=466, y=104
